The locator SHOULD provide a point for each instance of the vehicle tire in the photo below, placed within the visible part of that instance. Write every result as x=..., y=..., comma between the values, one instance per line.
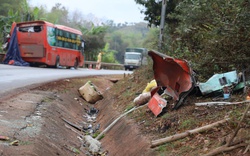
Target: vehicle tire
x=76, y=64
x=57, y=64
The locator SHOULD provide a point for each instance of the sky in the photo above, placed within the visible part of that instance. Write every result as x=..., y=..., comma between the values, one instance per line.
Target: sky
x=120, y=11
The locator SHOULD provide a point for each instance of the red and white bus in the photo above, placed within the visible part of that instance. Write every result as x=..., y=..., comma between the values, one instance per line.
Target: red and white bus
x=41, y=42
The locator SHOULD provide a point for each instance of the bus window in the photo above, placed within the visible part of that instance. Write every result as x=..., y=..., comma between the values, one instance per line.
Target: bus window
x=51, y=36
x=30, y=29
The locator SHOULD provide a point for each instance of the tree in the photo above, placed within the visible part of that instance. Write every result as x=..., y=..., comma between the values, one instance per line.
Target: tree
x=94, y=40
x=7, y=5
x=212, y=35
x=152, y=11
x=22, y=12
x=220, y=42
x=58, y=15
x=109, y=55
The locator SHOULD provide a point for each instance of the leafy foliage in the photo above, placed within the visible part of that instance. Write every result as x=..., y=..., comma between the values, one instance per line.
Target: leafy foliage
x=120, y=37
x=94, y=40
x=212, y=35
x=153, y=11
x=17, y=11
x=109, y=55
x=220, y=42
x=108, y=37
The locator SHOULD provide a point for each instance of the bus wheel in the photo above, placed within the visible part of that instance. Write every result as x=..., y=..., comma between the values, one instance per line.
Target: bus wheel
x=76, y=64
x=57, y=65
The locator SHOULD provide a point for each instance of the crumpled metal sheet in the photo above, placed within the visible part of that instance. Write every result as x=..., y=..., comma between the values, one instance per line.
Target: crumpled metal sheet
x=156, y=104
x=218, y=81
x=174, y=74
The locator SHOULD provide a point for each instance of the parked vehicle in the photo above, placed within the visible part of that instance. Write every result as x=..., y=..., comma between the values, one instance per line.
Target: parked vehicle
x=41, y=42
x=134, y=58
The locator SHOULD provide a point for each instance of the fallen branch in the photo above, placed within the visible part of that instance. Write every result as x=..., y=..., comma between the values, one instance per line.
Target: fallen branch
x=248, y=148
x=238, y=126
x=230, y=145
x=220, y=103
x=224, y=149
x=158, y=142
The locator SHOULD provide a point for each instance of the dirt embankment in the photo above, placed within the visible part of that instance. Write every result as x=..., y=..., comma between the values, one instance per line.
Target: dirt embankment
x=33, y=119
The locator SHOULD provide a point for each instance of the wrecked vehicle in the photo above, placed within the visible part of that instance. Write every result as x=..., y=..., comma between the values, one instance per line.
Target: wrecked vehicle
x=225, y=83
x=175, y=78
x=219, y=81
x=174, y=75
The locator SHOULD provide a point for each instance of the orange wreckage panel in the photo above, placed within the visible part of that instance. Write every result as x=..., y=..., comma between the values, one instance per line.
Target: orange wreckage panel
x=174, y=74
x=156, y=104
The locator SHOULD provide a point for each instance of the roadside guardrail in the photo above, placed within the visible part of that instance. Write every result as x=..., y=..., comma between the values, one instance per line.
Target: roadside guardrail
x=92, y=64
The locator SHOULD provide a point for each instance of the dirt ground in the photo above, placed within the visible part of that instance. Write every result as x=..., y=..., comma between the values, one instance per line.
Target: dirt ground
x=33, y=118
x=34, y=121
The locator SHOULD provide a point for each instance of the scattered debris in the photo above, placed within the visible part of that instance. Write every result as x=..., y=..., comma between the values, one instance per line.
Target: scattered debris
x=92, y=111
x=5, y=138
x=219, y=81
x=177, y=79
x=145, y=96
x=248, y=98
x=152, y=84
x=173, y=74
x=142, y=98
x=156, y=104
x=14, y=143
x=93, y=145
x=90, y=92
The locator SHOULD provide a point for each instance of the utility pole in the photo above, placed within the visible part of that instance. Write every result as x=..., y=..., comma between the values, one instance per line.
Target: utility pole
x=163, y=13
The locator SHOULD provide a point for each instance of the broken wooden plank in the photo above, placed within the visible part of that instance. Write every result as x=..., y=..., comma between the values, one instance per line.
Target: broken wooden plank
x=73, y=125
x=161, y=141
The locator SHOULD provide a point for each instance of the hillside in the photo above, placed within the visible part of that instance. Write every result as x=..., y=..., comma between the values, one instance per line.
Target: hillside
x=170, y=122
x=41, y=128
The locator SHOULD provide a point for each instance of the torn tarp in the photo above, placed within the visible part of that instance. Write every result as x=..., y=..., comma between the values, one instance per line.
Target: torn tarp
x=174, y=74
x=13, y=55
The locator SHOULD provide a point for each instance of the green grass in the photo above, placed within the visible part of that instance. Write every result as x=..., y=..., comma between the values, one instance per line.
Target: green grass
x=25, y=142
x=75, y=150
x=101, y=137
x=130, y=106
x=187, y=124
x=47, y=99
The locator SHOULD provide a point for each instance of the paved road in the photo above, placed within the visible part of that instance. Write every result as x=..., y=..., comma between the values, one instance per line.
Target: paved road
x=13, y=77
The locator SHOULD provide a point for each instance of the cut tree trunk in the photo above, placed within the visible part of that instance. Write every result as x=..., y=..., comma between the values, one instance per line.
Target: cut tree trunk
x=158, y=142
